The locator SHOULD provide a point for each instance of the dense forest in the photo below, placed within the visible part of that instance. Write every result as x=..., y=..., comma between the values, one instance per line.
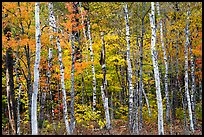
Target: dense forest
x=87, y=68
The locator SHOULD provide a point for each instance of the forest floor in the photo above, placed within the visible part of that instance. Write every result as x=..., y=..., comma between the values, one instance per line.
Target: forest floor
x=119, y=127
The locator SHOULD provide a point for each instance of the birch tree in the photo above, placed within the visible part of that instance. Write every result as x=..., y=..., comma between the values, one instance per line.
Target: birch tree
x=130, y=86
x=64, y=102
x=193, y=84
x=135, y=98
x=51, y=14
x=92, y=65
x=156, y=70
x=186, y=70
x=104, y=83
x=34, y=122
x=19, y=94
x=166, y=66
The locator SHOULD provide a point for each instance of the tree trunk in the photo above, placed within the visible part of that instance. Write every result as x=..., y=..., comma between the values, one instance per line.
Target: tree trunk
x=135, y=113
x=146, y=99
x=18, y=110
x=36, y=72
x=186, y=71
x=193, y=88
x=104, y=83
x=93, y=68
x=156, y=71
x=19, y=94
x=10, y=90
x=130, y=87
x=29, y=83
x=54, y=28
x=141, y=65
x=105, y=105
x=166, y=67
x=42, y=108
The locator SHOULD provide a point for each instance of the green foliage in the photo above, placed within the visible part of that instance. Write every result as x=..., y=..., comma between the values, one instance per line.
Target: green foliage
x=198, y=111
x=84, y=114
x=122, y=111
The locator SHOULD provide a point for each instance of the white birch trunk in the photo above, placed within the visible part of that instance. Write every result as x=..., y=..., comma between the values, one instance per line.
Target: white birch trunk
x=193, y=88
x=93, y=68
x=166, y=66
x=19, y=94
x=156, y=71
x=34, y=121
x=186, y=72
x=48, y=79
x=146, y=99
x=64, y=102
x=105, y=105
x=18, y=111
x=130, y=87
x=135, y=123
x=51, y=22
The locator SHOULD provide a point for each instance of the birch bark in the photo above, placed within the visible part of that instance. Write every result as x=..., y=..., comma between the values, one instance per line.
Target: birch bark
x=193, y=86
x=64, y=102
x=186, y=71
x=104, y=83
x=156, y=71
x=92, y=65
x=34, y=122
x=130, y=87
x=166, y=66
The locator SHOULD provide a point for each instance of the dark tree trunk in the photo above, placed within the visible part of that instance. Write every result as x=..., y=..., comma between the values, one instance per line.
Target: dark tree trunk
x=10, y=91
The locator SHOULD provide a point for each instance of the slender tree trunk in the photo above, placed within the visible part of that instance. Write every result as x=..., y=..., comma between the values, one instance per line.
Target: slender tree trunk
x=93, y=68
x=34, y=122
x=146, y=99
x=130, y=87
x=52, y=25
x=18, y=110
x=156, y=71
x=42, y=108
x=54, y=28
x=104, y=83
x=65, y=114
x=48, y=81
x=29, y=83
x=19, y=94
x=193, y=87
x=141, y=65
x=186, y=71
x=135, y=123
x=10, y=90
x=166, y=67
x=105, y=105
x=111, y=106
x=200, y=90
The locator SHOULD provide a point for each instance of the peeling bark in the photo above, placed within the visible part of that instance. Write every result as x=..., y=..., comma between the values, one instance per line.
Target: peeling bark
x=186, y=71
x=130, y=86
x=156, y=71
